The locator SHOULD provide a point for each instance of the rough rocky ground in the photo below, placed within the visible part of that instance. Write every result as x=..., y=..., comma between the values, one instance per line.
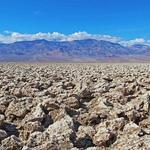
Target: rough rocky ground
x=74, y=106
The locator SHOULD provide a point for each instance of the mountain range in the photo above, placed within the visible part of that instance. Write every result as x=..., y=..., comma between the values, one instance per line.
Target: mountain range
x=78, y=50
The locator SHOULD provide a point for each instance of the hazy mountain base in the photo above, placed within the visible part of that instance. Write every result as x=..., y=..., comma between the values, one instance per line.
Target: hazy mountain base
x=39, y=58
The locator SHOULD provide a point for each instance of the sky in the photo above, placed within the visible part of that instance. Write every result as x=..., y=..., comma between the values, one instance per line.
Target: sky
x=125, y=19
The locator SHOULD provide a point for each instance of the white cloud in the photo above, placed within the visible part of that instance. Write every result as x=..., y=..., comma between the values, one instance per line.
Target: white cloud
x=148, y=42
x=78, y=36
x=85, y=35
x=134, y=41
x=10, y=37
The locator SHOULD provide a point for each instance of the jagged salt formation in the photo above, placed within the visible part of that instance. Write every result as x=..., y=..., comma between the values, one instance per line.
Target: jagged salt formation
x=74, y=106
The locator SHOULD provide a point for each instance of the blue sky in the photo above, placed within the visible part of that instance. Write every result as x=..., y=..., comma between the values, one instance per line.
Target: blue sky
x=124, y=18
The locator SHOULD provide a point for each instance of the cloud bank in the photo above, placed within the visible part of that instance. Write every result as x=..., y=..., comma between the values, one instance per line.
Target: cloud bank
x=11, y=37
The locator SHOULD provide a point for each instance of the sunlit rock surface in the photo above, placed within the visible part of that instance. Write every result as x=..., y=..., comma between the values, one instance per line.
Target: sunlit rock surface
x=74, y=106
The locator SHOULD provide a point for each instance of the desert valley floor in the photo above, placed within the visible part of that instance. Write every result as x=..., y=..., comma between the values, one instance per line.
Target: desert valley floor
x=74, y=106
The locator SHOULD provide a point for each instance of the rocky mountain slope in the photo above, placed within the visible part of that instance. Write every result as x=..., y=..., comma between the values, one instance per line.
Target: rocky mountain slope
x=72, y=50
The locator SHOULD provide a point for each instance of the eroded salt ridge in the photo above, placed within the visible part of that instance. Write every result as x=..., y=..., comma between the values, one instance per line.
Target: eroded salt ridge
x=74, y=106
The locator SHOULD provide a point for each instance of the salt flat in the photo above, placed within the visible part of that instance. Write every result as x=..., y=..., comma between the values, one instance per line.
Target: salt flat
x=74, y=106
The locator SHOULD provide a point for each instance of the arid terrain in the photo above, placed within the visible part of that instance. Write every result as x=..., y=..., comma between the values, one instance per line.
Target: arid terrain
x=76, y=106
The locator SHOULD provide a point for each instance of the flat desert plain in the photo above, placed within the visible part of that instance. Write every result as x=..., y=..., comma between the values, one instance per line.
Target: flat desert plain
x=74, y=106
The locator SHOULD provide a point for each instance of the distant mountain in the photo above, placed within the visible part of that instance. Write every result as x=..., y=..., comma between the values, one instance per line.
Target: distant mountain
x=140, y=49
x=79, y=50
